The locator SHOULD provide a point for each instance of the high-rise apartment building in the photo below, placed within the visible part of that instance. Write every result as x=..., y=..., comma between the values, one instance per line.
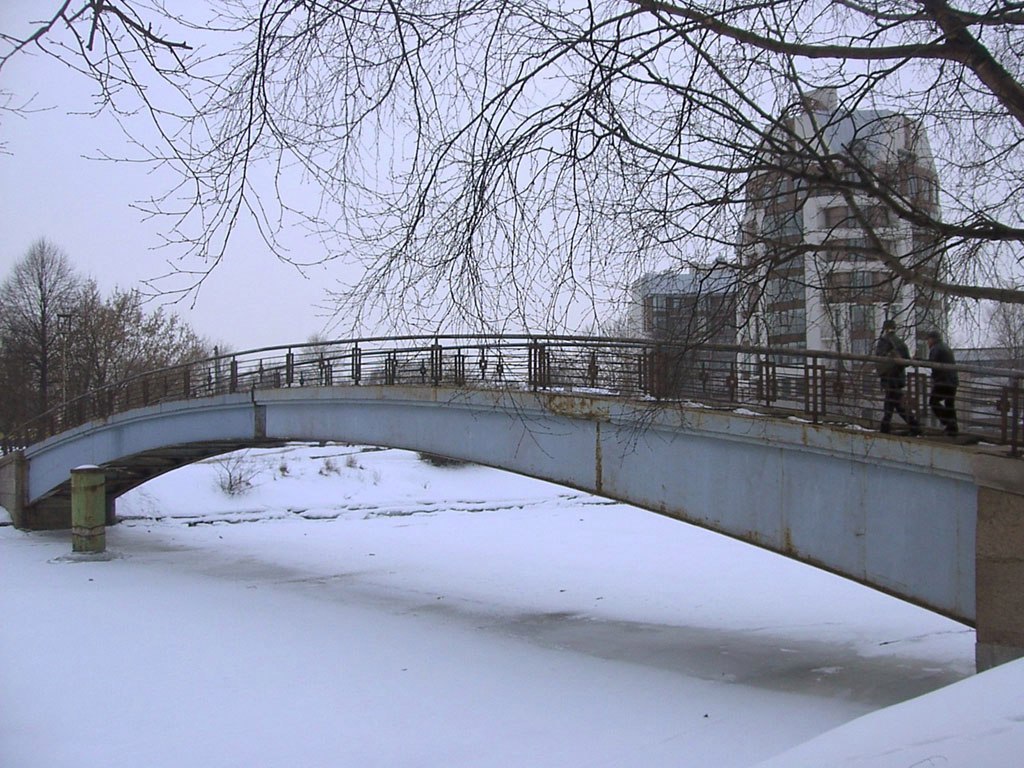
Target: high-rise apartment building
x=822, y=251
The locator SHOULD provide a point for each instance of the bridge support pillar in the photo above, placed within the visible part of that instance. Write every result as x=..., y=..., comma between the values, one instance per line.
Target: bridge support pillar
x=88, y=510
x=12, y=486
x=999, y=562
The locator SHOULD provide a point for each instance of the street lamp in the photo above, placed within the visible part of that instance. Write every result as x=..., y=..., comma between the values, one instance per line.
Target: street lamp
x=64, y=325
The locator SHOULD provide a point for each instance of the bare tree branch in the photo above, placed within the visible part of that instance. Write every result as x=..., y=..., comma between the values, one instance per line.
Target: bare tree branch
x=500, y=164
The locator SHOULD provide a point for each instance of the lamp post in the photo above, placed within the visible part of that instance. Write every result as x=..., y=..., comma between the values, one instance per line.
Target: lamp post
x=64, y=324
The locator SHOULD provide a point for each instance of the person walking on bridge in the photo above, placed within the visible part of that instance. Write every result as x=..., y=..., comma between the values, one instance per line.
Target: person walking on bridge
x=893, y=376
x=944, y=383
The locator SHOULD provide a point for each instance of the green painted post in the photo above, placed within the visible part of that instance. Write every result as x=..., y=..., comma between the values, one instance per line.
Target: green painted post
x=88, y=510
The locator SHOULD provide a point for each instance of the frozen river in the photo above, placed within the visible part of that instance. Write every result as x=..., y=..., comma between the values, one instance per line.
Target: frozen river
x=362, y=608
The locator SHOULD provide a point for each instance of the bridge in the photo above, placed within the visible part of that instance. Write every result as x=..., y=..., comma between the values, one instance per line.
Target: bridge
x=771, y=448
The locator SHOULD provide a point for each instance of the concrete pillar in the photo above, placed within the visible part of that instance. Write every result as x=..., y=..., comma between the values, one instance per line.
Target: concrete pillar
x=12, y=486
x=88, y=510
x=999, y=561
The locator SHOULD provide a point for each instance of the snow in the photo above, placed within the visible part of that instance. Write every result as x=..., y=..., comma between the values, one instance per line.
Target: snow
x=976, y=722
x=360, y=607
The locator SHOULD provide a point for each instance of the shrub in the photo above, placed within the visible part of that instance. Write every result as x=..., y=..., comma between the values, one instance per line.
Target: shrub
x=235, y=472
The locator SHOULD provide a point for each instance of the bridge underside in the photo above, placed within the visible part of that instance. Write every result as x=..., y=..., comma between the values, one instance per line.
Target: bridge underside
x=53, y=511
x=900, y=516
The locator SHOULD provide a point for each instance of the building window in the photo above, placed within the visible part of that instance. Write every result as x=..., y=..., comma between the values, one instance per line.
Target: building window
x=858, y=286
x=782, y=290
x=922, y=190
x=838, y=216
x=787, y=322
x=783, y=225
x=876, y=215
x=862, y=319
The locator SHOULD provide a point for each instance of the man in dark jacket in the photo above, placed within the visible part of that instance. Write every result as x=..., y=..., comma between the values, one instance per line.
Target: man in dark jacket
x=944, y=383
x=892, y=374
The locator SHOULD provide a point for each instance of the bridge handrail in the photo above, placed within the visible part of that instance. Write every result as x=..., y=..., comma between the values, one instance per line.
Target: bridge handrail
x=723, y=374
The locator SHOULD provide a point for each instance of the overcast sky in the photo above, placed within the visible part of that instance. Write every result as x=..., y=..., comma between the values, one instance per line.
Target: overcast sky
x=49, y=188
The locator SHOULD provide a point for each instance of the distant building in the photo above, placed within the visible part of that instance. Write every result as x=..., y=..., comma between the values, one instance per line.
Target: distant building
x=691, y=307
x=836, y=297
x=990, y=357
x=687, y=310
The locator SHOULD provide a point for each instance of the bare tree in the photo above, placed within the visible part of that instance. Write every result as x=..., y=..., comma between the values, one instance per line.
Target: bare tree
x=41, y=288
x=1006, y=326
x=59, y=338
x=16, y=393
x=116, y=337
x=496, y=163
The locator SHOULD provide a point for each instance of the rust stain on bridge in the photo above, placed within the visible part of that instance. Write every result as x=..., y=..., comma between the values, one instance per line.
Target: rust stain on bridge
x=577, y=407
x=589, y=409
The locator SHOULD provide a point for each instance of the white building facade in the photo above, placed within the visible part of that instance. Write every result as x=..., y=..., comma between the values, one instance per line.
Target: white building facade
x=825, y=254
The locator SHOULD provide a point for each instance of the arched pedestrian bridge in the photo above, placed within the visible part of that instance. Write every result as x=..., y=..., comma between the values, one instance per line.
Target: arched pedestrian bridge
x=772, y=452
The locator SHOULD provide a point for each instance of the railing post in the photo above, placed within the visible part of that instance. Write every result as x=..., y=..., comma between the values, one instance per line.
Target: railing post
x=823, y=377
x=538, y=370
x=811, y=393
x=390, y=368
x=459, y=368
x=289, y=368
x=767, y=382
x=917, y=394
x=435, y=363
x=659, y=373
x=816, y=398
x=773, y=382
x=233, y=380
x=653, y=372
x=357, y=364
x=1017, y=416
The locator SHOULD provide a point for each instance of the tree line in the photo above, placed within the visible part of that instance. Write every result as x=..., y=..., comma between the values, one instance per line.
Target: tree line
x=61, y=337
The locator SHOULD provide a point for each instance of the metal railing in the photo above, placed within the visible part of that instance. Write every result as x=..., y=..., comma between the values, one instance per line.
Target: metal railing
x=815, y=385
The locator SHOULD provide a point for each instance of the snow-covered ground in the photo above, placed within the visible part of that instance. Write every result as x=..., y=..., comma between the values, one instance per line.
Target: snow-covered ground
x=359, y=607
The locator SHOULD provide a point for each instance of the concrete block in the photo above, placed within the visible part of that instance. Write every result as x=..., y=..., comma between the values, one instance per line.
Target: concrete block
x=1000, y=525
